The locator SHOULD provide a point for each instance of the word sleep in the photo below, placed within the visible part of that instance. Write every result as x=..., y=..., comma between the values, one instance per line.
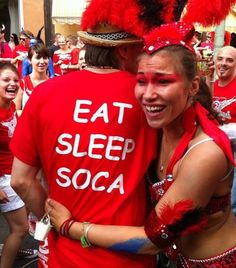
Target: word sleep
x=113, y=148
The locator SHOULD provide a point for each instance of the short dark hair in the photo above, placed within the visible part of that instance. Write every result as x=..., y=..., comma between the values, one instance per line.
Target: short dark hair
x=101, y=56
x=8, y=66
x=40, y=49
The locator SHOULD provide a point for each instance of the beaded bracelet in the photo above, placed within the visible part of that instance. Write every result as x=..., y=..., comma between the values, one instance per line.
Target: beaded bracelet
x=85, y=243
x=65, y=227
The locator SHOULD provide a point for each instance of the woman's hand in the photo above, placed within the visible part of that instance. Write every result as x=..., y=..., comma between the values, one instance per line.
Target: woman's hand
x=57, y=212
x=3, y=197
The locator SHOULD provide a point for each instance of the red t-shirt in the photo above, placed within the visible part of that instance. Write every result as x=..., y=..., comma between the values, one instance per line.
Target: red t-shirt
x=5, y=50
x=23, y=51
x=65, y=58
x=75, y=56
x=27, y=87
x=8, y=120
x=94, y=145
x=224, y=101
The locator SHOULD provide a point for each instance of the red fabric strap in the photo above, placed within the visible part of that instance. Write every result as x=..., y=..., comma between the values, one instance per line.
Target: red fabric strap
x=194, y=115
x=190, y=129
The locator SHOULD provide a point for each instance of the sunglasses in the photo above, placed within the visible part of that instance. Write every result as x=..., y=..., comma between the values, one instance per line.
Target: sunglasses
x=23, y=39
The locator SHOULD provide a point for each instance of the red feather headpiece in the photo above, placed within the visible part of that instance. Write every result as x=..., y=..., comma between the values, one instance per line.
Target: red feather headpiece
x=181, y=33
x=207, y=13
x=176, y=33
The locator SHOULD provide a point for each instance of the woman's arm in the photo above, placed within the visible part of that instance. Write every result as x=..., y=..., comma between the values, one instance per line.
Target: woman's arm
x=26, y=185
x=192, y=188
x=121, y=238
x=18, y=101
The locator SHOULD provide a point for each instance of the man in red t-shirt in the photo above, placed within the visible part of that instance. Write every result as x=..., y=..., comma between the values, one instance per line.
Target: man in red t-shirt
x=21, y=51
x=90, y=136
x=224, y=97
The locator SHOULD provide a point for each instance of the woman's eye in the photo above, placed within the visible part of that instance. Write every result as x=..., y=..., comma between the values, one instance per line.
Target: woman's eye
x=164, y=81
x=141, y=81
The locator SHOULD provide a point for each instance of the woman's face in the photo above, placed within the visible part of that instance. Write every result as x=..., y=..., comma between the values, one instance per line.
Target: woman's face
x=62, y=43
x=39, y=63
x=162, y=89
x=9, y=85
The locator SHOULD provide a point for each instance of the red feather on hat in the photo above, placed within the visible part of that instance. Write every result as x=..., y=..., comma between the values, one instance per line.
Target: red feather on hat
x=122, y=14
x=125, y=14
x=95, y=13
x=168, y=10
x=207, y=13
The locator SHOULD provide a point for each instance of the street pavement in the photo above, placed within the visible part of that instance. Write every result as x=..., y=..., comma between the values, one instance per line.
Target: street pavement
x=28, y=242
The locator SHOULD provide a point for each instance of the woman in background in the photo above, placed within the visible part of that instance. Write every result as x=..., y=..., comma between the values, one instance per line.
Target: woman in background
x=39, y=57
x=11, y=206
x=14, y=41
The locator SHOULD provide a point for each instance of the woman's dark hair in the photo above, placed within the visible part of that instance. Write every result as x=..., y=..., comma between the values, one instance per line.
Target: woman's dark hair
x=205, y=98
x=8, y=66
x=15, y=39
x=40, y=49
x=101, y=56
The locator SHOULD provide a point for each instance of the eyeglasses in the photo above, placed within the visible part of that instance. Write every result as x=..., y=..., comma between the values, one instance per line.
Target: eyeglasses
x=22, y=38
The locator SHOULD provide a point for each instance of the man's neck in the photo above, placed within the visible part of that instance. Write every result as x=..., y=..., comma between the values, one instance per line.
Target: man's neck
x=223, y=83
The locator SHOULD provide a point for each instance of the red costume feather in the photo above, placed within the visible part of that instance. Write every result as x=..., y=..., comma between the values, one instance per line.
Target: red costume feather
x=168, y=10
x=122, y=14
x=182, y=218
x=207, y=13
x=170, y=215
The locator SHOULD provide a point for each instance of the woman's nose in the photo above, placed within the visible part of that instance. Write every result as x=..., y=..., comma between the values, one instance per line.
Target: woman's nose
x=150, y=91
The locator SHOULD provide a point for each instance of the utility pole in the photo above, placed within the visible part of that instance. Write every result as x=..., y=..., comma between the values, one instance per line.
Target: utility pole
x=219, y=37
x=49, y=28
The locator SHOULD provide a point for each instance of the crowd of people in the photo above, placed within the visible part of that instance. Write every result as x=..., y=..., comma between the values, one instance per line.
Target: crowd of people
x=121, y=139
x=25, y=62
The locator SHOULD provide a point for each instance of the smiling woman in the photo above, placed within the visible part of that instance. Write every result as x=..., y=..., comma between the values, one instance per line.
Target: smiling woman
x=9, y=84
x=39, y=58
x=11, y=206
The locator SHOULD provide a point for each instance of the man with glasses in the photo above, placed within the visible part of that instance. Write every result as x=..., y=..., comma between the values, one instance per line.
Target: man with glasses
x=21, y=51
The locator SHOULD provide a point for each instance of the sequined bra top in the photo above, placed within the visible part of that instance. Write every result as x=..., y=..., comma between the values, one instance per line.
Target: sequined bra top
x=159, y=187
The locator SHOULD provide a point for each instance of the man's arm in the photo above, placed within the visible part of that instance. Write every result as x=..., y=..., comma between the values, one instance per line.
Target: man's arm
x=26, y=185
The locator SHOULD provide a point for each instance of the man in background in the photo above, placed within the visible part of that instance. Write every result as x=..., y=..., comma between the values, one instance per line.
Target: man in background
x=224, y=97
x=21, y=51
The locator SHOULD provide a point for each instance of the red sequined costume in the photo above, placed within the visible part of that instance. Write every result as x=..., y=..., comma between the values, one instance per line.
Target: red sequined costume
x=226, y=259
